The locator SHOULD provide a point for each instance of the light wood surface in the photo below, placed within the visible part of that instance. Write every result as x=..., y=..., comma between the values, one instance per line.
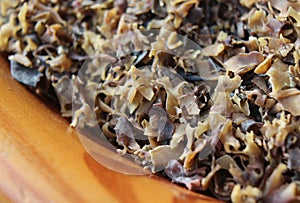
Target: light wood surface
x=42, y=159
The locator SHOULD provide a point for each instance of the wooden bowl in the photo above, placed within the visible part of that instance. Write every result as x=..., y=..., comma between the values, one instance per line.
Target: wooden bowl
x=42, y=159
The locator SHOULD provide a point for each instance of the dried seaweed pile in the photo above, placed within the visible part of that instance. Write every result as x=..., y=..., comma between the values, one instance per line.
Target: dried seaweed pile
x=234, y=135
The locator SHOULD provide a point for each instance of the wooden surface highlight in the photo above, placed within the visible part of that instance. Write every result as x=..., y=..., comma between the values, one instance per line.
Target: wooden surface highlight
x=42, y=159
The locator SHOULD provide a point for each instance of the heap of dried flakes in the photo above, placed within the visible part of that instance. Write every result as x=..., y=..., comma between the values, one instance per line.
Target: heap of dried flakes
x=255, y=46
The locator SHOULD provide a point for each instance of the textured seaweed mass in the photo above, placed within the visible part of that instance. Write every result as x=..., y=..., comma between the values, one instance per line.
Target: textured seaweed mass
x=234, y=136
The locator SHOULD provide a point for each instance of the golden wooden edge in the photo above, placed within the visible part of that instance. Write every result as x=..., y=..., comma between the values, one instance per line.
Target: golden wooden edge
x=42, y=159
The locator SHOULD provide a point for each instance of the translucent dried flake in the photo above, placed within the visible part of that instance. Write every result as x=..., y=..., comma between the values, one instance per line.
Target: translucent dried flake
x=288, y=100
x=60, y=63
x=244, y=62
x=21, y=59
x=280, y=76
x=249, y=194
x=64, y=92
x=264, y=66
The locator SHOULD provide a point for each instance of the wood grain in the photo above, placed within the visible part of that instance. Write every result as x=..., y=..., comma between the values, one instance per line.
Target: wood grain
x=42, y=159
